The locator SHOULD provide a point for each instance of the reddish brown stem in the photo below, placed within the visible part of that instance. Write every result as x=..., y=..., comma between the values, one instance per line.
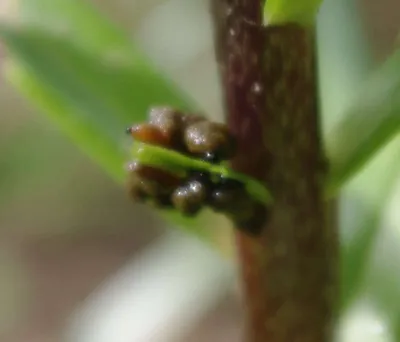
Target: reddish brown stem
x=268, y=75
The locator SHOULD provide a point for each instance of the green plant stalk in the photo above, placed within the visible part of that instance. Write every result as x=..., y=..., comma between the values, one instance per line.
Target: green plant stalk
x=269, y=80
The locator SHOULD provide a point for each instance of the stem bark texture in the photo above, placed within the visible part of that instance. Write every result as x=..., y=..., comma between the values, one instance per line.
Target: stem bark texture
x=268, y=75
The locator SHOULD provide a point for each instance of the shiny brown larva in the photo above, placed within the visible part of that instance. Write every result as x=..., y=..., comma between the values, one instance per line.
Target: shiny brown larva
x=190, y=119
x=193, y=194
x=230, y=197
x=190, y=197
x=149, y=183
x=164, y=178
x=167, y=119
x=196, y=137
x=191, y=134
x=150, y=134
x=170, y=122
x=210, y=140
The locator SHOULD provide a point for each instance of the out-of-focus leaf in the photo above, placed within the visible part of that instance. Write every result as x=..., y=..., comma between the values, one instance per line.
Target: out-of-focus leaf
x=107, y=89
x=91, y=96
x=19, y=164
x=284, y=11
x=79, y=21
x=93, y=101
x=365, y=199
x=382, y=281
x=344, y=63
x=92, y=138
x=96, y=144
x=370, y=123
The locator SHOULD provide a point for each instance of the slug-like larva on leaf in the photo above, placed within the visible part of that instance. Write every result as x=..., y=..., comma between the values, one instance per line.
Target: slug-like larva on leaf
x=192, y=188
x=190, y=134
x=190, y=197
x=150, y=134
x=210, y=140
x=150, y=183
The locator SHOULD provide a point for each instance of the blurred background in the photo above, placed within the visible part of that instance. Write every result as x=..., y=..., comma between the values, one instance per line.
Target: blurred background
x=80, y=262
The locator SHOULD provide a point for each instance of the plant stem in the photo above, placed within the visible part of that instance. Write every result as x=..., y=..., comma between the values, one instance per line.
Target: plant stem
x=268, y=77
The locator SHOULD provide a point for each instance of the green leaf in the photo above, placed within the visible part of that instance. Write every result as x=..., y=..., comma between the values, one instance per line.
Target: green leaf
x=104, y=87
x=288, y=11
x=20, y=165
x=94, y=142
x=79, y=21
x=382, y=281
x=92, y=96
x=369, y=124
x=362, y=200
x=340, y=73
x=367, y=196
x=180, y=164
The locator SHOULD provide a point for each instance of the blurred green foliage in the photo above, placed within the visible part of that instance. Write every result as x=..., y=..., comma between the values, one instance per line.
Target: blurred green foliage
x=89, y=79
x=345, y=85
x=375, y=116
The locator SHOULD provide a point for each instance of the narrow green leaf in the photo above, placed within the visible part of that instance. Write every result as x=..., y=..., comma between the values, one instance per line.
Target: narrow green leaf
x=381, y=279
x=81, y=22
x=370, y=123
x=102, y=96
x=92, y=98
x=106, y=88
x=105, y=151
x=288, y=11
x=364, y=199
x=180, y=164
x=94, y=140
x=340, y=74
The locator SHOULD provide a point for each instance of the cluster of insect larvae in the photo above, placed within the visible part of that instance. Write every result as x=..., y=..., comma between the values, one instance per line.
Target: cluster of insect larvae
x=197, y=137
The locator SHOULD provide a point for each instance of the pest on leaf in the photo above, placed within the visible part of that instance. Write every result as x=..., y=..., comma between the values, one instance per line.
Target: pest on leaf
x=188, y=192
x=192, y=135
